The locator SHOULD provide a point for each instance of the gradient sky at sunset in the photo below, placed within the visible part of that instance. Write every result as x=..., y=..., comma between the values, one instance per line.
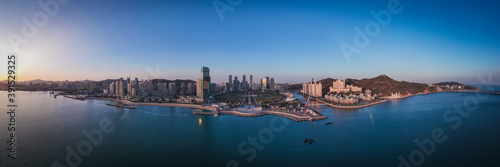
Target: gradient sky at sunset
x=293, y=41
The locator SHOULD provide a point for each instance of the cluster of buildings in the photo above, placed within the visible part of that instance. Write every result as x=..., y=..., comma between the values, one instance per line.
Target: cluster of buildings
x=339, y=86
x=315, y=89
x=131, y=89
x=337, y=92
x=351, y=98
x=234, y=85
x=204, y=87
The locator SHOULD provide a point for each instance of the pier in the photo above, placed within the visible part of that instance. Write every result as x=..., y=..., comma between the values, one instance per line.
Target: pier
x=295, y=117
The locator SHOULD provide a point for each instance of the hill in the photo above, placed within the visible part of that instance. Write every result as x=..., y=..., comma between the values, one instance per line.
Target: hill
x=382, y=85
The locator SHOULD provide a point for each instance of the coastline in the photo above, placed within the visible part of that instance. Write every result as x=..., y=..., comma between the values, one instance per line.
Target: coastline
x=351, y=107
x=297, y=118
x=195, y=106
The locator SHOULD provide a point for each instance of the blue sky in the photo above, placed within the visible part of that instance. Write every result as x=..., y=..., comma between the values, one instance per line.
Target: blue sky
x=293, y=41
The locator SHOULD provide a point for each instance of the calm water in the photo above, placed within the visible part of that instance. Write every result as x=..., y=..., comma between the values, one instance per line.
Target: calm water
x=168, y=136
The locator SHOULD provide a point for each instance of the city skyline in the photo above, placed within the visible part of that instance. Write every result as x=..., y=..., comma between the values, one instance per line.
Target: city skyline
x=292, y=41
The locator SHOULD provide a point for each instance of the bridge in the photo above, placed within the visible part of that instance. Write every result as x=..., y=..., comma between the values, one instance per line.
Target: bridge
x=474, y=91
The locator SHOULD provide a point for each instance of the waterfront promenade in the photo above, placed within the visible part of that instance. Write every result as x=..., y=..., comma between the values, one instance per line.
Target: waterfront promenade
x=350, y=107
x=292, y=116
x=296, y=117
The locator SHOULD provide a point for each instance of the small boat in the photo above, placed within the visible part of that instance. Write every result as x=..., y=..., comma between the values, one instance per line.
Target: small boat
x=310, y=142
x=305, y=141
x=329, y=123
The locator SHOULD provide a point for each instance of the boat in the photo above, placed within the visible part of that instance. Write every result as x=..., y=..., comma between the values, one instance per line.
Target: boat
x=305, y=141
x=291, y=98
x=329, y=123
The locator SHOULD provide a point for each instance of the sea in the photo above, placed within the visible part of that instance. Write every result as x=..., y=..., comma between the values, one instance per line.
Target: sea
x=438, y=129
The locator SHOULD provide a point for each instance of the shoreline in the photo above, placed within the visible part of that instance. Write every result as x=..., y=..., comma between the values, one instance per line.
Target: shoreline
x=351, y=107
x=296, y=118
x=195, y=106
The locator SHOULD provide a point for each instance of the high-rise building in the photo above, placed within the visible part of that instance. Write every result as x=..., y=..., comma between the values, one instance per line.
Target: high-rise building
x=205, y=76
x=111, y=88
x=213, y=87
x=136, y=82
x=189, y=90
x=128, y=81
x=227, y=87
x=244, y=82
x=314, y=89
x=230, y=89
x=90, y=86
x=162, y=87
x=251, y=82
x=265, y=83
x=183, y=89
x=129, y=89
x=271, y=83
x=199, y=87
x=120, y=87
x=261, y=86
x=172, y=89
x=236, y=84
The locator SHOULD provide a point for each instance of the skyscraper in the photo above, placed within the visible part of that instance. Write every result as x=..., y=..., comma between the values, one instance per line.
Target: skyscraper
x=265, y=83
x=183, y=89
x=199, y=87
x=172, y=89
x=205, y=76
x=189, y=89
x=271, y=83
x=251, y=82
x=236, y=84
x=136, y=82
x=244, y=82
x=230, y=89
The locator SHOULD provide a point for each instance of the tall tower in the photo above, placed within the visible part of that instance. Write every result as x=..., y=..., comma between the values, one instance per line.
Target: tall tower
x=251, y=82
x=205, y=76
x=271, y=83
x=230, y=89
x=244, y=82
x=199, y=88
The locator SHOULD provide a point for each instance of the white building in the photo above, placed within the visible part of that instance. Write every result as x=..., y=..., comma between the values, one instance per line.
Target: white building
x=339, y=86
x=314, y=88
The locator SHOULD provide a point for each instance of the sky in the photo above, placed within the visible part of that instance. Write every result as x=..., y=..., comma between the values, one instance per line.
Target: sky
x=292, y=41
